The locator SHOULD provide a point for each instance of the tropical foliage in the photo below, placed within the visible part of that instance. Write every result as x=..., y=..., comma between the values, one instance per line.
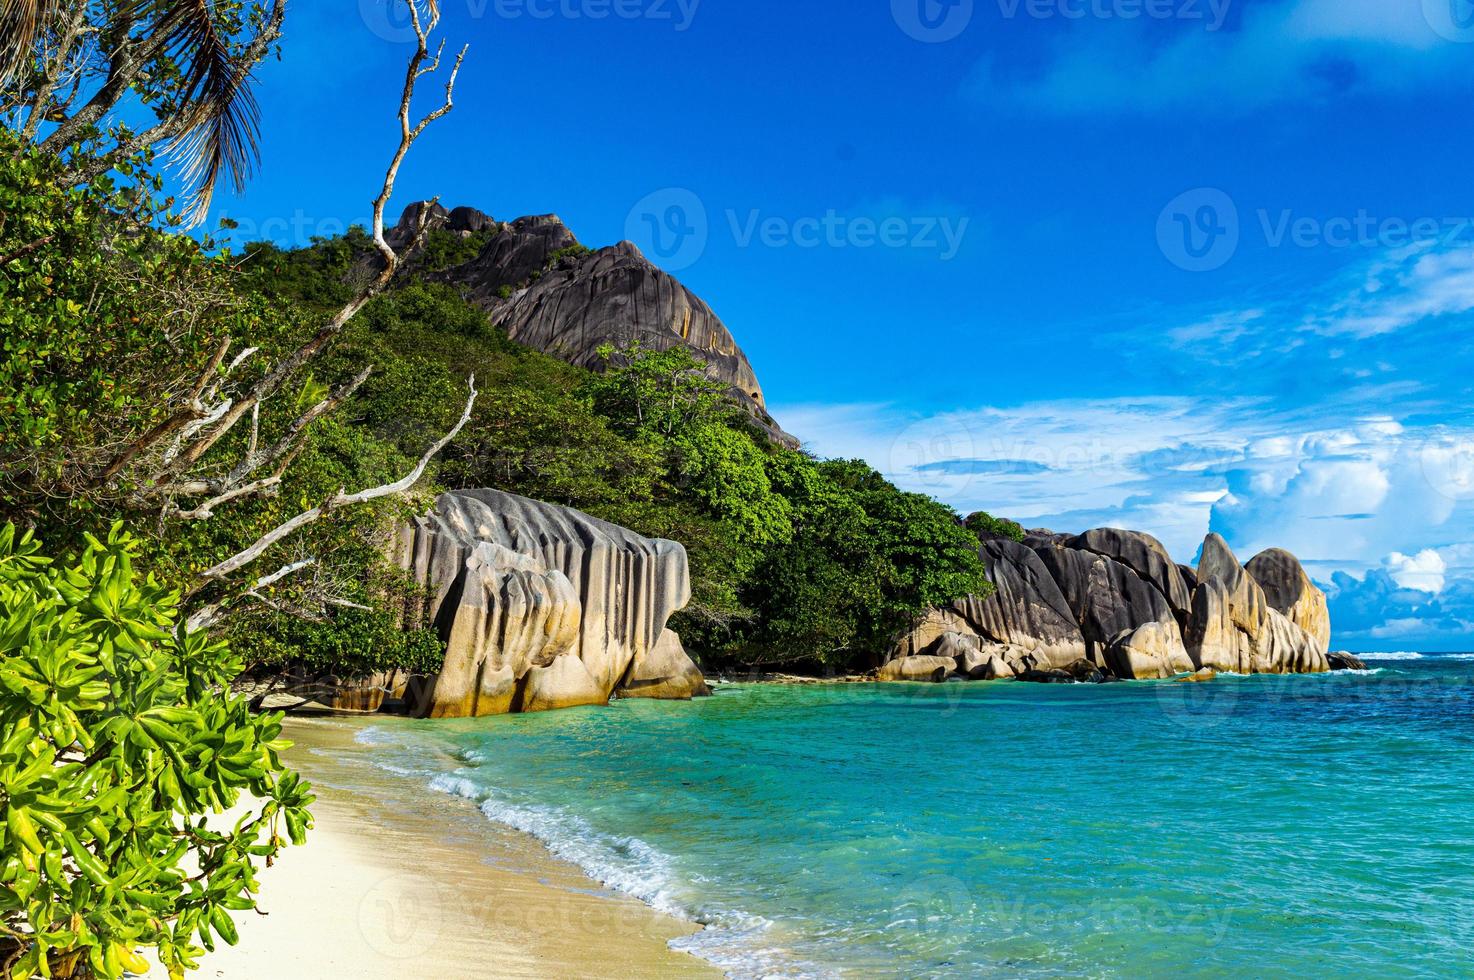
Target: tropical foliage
x=118, y=735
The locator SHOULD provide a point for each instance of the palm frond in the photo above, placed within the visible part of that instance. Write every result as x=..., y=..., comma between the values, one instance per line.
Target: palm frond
x=21, y=24
x=220, y=120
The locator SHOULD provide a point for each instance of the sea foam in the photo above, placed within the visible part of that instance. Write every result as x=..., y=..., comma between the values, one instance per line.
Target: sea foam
x=732, y=940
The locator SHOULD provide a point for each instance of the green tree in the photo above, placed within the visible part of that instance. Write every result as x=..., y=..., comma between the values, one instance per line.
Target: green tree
x=987, y=527
x=118, y=734
x=65, y=68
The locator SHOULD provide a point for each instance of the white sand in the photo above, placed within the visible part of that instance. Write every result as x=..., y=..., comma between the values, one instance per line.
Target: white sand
x=402, y=883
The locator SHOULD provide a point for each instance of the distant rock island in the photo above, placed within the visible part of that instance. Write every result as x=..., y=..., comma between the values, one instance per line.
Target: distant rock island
x=1111, y=603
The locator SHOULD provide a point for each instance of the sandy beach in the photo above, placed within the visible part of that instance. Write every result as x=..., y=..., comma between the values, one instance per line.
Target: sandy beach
x=399, y=882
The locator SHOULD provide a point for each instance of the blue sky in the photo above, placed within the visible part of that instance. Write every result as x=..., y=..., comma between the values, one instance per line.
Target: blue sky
x=1166, y=264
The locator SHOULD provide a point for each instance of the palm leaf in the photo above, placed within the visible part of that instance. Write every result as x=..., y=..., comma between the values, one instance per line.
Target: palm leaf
x=220, y=120
x=21, y=25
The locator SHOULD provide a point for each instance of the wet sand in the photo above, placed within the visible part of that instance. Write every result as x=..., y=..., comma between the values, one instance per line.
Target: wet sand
x=396, y=881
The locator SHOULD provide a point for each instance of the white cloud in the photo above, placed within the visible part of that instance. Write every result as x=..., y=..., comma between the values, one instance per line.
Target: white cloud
x=1423, y=571
x=1077, y=462
x=1403, y=288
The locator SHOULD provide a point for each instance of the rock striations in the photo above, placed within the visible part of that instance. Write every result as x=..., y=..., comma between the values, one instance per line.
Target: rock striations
x=549, y=292
x=544, y=607
x=1112, y=604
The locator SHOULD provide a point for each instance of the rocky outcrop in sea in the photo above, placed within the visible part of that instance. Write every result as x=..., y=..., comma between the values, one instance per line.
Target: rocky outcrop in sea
x=1111, y=603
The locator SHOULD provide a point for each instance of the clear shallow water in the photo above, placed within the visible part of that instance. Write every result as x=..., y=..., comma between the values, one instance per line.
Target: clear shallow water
x=1253, y=826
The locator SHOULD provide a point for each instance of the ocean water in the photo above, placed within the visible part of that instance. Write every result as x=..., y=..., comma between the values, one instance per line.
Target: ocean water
x=1249, y=827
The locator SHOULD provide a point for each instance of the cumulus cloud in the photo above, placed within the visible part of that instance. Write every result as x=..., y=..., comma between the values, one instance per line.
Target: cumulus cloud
x=1281, y=452
x=1423, y=571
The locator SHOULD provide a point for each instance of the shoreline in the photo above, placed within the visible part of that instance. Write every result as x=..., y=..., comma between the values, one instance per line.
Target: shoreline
x=396, y=880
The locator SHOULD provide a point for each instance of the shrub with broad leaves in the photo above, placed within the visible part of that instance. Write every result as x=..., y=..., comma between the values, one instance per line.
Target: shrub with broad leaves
x=118, y=737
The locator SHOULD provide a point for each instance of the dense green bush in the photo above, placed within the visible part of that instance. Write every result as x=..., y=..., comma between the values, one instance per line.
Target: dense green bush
x=119, y=735
x=986, y=527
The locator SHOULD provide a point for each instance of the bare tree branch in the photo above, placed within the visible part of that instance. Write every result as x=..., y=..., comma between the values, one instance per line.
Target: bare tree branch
x=210, y=614
x=192, y=411
x=340, y=500
x=289, y=365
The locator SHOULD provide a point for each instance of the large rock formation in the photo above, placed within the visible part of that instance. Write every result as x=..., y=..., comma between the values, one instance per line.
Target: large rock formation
x=549, y=292
x=544, y=607
x=1234, y=627
x=1026, y=622
x=1115, y=599
x=1288, y=589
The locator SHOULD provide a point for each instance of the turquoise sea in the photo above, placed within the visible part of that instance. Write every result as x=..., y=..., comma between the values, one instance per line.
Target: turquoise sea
x=1249, y=827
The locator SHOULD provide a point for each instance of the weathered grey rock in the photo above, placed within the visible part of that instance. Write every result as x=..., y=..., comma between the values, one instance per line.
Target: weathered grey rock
x=1079, y=672
x=1108, y=599
x=1233, y=627
x=1341, y=660
x=1151, y=651
x=540, y=606
x=515, y=254
x=1116, y=599
x=976, y=662
x=665, y=672
x=1288, y=589
x=929, y=669
x=547, y=292
x=1025, y=618
x=1145, y=556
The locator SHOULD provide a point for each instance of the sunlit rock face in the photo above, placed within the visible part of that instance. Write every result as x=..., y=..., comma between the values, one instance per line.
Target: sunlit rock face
x=539, y=284
x=544, y=607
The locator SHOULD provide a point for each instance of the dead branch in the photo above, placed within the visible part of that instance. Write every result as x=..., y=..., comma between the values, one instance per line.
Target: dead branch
x=24, y=250
x=339, y=501
x=294, y=362
x=208, y=615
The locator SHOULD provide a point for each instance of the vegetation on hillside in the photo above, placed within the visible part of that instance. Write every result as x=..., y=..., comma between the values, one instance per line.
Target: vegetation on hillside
x=793, y=560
